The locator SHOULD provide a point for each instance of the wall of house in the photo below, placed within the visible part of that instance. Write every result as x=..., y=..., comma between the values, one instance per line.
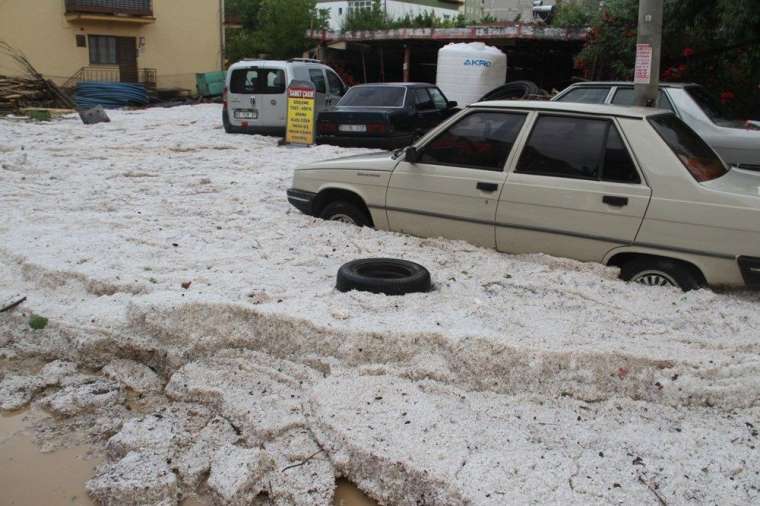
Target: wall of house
x=183, y=40
x=337, y=10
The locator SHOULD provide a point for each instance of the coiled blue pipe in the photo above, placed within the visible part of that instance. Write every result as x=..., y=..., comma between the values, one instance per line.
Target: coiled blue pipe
x=109, y=95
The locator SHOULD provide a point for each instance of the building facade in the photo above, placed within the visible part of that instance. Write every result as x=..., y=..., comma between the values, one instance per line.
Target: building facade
x=444, y=9
x=502, y=10
x=161, y=43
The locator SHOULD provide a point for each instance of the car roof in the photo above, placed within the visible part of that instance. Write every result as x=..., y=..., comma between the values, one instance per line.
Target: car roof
x=626, y=83
x=598, y=109
x=273, y=63
x=405, y=85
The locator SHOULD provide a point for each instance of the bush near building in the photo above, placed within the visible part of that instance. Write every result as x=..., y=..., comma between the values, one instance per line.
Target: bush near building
x=375, y=18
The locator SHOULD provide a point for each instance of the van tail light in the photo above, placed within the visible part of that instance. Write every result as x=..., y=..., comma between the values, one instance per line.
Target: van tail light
x=224, y=98
x=327, y=127
x=376, y=128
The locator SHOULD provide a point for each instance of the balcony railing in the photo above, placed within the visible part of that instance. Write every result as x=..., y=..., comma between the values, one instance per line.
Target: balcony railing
x=126, y=7
x=111, y=74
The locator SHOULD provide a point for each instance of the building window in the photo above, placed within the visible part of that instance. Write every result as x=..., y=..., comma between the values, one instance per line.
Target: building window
x=102, y=50
x=356, y=5
x=81, y=41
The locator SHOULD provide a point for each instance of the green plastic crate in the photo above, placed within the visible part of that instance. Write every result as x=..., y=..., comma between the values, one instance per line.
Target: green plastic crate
x=39, y=115
x=210, y=84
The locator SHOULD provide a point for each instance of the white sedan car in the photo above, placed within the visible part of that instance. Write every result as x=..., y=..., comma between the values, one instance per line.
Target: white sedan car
x=624, y=186
x=737, y=142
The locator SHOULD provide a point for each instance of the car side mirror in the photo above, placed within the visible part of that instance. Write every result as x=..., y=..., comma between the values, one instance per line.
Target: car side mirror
x=412, y=155
x=451, y=104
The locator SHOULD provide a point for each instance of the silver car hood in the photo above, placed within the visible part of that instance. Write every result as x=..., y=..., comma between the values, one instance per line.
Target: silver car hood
x=736, y=137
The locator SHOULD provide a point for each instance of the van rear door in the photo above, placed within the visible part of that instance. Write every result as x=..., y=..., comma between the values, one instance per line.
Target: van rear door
x=256, y=97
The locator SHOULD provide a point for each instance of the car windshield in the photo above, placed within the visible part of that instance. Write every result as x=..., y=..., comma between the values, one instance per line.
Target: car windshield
x=698, y=158
x=373, y=96
x=709, y=105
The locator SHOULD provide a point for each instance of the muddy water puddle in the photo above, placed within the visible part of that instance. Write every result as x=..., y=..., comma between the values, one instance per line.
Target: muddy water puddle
x=347, y=494
x=29, y=477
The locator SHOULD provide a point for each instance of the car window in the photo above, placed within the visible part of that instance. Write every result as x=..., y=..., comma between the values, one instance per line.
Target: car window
x=336, y=85
x=565, y=146
x=586, y=95
x=481, y=140
x=438, y=99
x=373, y=96
x=318, y=78
x=577, y=148
x=422, y=100
x=626, y=96
x=698, y=158
x=709, y=105
x=618, y=166
x=257, y=80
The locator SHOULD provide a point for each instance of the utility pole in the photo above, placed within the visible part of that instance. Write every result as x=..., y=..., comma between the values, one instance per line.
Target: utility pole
x=646, y=76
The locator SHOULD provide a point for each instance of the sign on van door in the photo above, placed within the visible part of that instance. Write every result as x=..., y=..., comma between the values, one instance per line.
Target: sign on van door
x=300, y=127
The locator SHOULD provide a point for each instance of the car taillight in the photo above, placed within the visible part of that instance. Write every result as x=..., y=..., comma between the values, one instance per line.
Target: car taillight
x=224, y=98
x=328, y=128
x=376, y=128
x=703, y=169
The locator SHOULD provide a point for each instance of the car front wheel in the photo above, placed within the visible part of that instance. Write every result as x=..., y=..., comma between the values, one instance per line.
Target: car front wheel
x=661, y=272
x=345, y=212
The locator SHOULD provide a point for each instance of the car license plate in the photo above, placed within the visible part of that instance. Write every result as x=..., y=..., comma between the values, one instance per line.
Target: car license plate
x=352, y=128
x=246, y=114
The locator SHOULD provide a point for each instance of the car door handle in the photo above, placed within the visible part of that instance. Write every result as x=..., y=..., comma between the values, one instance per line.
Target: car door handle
x=615, y=201
x=487, y=187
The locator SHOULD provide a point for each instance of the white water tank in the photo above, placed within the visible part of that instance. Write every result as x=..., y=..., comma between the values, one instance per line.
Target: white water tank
x=467, y=71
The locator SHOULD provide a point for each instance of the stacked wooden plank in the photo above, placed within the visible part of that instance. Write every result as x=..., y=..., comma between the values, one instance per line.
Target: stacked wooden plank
x=19, y=92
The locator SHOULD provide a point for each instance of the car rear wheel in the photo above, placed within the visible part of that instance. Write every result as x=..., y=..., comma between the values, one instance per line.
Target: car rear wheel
x=660, y=272
x=226, y=122
x=345, y=212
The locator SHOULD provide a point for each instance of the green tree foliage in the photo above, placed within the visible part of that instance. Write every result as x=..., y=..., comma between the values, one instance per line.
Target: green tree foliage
x=247, y=11
x=714, y=43
x=573, y=14
x=370, y=18
x=375, y=18
x=275, y=28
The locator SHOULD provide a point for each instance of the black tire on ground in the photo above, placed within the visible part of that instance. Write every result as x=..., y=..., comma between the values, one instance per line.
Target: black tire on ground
x=383, y=275
x=226, y=122
x=661, y=272
x=345, y=212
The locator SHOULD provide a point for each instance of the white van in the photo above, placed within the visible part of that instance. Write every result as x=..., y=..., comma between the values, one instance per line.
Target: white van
x=255, y=99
